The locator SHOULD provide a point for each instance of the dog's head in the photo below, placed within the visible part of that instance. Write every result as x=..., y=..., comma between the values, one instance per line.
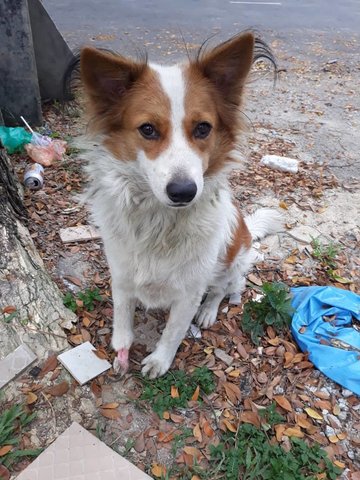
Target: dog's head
x=179, y=123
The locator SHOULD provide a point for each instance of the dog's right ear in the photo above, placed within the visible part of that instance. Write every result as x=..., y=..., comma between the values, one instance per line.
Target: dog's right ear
x=106, y=76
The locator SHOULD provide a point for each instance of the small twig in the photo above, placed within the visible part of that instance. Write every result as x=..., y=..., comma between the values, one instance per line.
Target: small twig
x=53, y=411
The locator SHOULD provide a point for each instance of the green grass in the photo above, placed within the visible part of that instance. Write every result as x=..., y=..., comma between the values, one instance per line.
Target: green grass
x=274, y=309
x=325, y=254
x=158, y=392
x=250, y=454
x=13, y=421
x=89, y=297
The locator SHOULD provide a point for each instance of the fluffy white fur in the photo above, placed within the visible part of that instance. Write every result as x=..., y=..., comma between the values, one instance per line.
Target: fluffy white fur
x=161, y=256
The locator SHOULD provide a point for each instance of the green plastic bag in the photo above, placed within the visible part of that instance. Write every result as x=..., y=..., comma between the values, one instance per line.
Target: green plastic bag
x=14, y=138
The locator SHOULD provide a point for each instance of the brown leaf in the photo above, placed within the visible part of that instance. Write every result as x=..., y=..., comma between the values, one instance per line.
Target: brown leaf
x=110, y=405
x=5, y=449
x=76, y=281
x=58, y=390
x=76, y=339
x=283, y=402
x=110, y=413
x=95, y=388
x=250, y=417
x=209, y=432
x=50, y=364
x=254, y=279
x=140, y=443
x=86, y=322
x=174, y=392
x=9, y=309
x=4, y=473
x=100, y=354
x=166, y=415
x=195, y=396
x=323, y=405
x=176, y=418
x=322, y=395
x=197, y=433
x=159, y=471
x=194, y=452
x=228, y=426
x=279, y=431
x=241, y=349
x=294, y=432
x=31, y=398
x=233, y=392
x=85, y=335
x=165, y=437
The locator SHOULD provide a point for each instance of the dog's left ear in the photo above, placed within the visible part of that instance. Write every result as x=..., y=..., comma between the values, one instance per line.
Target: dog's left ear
x=228, y=65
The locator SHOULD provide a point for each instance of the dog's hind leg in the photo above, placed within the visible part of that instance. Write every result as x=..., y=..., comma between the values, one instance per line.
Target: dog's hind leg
x=207, y=313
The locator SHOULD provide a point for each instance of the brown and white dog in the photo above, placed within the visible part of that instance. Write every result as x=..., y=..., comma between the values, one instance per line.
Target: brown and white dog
x=164, y=140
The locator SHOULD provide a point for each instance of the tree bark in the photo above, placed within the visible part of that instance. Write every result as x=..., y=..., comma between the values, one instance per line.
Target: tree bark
x=31, y=307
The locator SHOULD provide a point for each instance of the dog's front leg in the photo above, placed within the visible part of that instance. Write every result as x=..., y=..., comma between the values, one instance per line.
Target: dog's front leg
x=181, y=315
x=123, y=334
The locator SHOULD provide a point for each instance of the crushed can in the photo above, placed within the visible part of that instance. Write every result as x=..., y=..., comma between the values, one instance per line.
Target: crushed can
x=34, y=176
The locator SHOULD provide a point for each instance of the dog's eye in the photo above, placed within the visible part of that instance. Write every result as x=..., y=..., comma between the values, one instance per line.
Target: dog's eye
x=202, y=130
x=148, y=131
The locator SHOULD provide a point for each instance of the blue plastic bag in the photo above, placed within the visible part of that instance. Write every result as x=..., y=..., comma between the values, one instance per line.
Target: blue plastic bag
x=332, y=342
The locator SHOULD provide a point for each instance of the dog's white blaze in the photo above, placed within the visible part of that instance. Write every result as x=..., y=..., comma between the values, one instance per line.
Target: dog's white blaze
x=179, y=159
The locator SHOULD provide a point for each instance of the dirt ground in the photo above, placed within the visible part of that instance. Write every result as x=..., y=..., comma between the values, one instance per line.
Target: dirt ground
x=311, y=115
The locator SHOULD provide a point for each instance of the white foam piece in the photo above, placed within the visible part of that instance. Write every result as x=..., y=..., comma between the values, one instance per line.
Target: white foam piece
x=285, y=164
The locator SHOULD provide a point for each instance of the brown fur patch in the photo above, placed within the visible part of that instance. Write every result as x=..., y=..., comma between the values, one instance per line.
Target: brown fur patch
x=241, y=239
x=122, y=96
x=215, y=84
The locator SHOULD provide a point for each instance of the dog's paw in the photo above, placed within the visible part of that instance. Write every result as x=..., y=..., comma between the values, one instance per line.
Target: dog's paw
x=122, y=339
x=156, y=364
x=121, y=361
x=206, y=315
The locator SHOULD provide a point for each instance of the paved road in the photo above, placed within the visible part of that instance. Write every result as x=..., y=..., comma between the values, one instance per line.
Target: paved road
x=119, y=22
x=314, y=106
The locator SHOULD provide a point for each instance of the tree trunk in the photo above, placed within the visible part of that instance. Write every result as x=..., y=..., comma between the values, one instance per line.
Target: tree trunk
x=31, y=308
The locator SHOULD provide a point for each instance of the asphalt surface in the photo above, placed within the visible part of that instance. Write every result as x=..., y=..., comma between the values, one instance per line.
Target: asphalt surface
x=315, y=105
x=123, y=23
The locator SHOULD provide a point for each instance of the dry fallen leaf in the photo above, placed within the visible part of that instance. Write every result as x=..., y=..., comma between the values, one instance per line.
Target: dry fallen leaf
x=165, y=437
x=110, y=413
x=58, y=390
x=250, y=417
x=110, y=405
x=294, y=432
x=4, y=473
x=174, y=392
x=195, y=396
x=283, y=402
x=158, y=470
x=31, y=398
x=197, y=433
x=209, y=432
x=9, y=309
x=228, y=425
x=233, y=392
x=50, y=364
x=5, y=449
x=313, y=413
x=166, y=415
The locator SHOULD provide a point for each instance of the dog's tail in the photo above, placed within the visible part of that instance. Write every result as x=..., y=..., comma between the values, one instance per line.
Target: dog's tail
x=264, y=221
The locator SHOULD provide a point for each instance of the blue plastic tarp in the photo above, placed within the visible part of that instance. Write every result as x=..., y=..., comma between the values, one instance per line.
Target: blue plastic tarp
x=333, y=343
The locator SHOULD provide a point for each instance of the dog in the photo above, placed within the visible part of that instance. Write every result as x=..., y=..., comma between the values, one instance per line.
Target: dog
x=164, y=139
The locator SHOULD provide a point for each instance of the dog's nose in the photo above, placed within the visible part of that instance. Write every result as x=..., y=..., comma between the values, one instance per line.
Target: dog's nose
x=181, y=191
